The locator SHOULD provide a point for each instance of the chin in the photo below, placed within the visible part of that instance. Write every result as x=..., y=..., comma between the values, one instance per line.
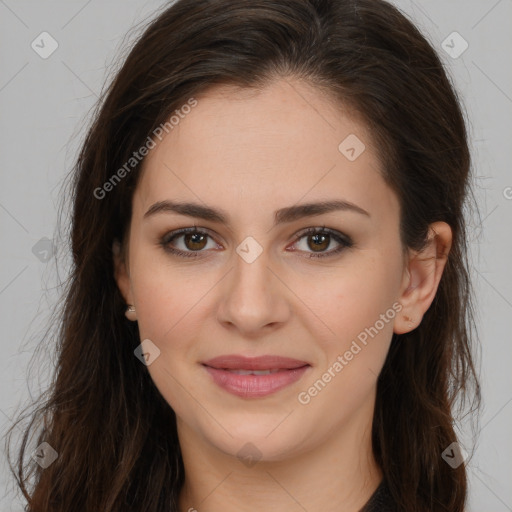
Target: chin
x=267, y=439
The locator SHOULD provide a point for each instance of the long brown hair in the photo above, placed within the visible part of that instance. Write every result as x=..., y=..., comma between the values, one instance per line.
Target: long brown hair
x=114, y=433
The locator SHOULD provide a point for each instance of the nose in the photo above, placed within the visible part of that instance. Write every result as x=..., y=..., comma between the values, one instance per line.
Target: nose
x=253, y=298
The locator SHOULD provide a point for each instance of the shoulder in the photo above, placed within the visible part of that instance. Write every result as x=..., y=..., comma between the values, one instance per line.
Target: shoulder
x=380, y=501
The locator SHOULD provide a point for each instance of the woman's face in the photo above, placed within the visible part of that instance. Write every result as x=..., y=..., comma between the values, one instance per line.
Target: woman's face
x=255, y=284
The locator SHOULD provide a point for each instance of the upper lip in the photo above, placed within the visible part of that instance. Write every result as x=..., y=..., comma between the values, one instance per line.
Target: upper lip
x=268, y=362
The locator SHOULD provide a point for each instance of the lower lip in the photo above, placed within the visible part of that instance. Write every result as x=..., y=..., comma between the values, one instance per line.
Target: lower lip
x=255, y=386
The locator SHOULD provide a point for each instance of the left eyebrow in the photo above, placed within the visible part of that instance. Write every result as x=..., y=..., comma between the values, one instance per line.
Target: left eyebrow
x=283, y=215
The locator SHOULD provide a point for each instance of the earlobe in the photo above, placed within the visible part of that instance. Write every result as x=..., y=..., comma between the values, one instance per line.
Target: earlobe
x=422, y=276
x=130, y=313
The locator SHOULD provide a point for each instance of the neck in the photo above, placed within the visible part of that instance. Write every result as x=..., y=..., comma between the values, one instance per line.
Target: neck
x=338, y=475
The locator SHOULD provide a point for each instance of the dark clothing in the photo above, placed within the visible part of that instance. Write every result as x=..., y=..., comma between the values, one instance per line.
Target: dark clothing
x=380, y=500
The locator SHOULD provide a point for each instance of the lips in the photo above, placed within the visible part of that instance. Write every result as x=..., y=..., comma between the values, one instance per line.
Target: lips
x=235, y=362
x=255, y=377
x=253, y=372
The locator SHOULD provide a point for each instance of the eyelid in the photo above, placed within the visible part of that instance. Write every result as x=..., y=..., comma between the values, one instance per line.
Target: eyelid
x=342, y=239
x=322, y=229
x=177, y=233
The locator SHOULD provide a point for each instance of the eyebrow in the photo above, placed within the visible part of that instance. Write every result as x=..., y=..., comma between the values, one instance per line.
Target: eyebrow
x=283, y=215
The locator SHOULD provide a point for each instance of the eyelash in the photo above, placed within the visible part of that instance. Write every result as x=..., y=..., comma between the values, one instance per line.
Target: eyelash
x=344, y=241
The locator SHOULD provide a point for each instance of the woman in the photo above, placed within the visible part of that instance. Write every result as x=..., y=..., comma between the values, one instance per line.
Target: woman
x=270, y=304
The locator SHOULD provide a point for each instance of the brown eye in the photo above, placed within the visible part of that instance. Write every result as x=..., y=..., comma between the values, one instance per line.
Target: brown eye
x=191, y=242
x=195, y=241
x=319, y=241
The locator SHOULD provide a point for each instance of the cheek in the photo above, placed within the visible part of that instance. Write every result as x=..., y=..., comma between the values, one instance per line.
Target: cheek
x=168, y=305
x=358, y=308
x=356, y=296
x=173, y=303
x=165, y=299
x=360, y=311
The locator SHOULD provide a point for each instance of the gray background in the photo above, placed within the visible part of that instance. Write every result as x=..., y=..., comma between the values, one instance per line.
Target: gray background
x=44, y=104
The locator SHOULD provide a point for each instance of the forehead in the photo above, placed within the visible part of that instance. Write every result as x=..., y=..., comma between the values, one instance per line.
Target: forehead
x=272, y=146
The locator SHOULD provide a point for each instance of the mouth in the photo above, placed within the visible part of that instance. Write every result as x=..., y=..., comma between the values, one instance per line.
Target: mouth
x=254, y=377
x=252, y=372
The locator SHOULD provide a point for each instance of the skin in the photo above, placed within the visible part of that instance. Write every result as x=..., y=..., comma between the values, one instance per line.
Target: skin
x=250, y=153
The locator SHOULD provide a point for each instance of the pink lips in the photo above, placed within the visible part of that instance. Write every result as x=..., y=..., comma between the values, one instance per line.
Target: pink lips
x=271, y=373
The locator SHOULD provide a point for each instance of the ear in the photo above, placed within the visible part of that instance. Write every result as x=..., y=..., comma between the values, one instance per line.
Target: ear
x=121, y=272
x=422, y=275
